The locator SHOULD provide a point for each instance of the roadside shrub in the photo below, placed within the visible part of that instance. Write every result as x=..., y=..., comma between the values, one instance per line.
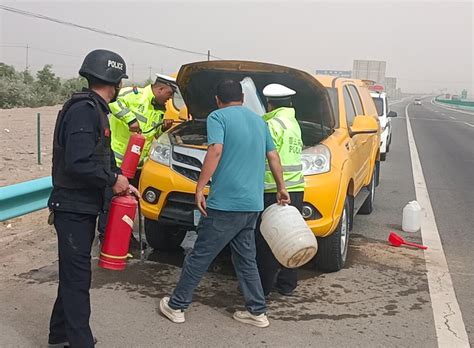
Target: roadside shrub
x=22, y=89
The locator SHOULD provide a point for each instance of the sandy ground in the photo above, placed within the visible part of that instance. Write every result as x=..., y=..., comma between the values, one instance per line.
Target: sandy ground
x=18, y=143
x=18, y=162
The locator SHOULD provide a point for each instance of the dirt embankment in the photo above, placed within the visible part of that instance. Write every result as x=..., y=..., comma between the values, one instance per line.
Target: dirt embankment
x=18, y=144
x=25, y=238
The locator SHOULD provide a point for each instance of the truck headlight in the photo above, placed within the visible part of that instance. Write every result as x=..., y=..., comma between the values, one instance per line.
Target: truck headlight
x=161, y=150
x=316, y=160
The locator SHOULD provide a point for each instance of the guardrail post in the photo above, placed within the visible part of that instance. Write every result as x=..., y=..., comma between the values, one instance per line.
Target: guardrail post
x=38, y=136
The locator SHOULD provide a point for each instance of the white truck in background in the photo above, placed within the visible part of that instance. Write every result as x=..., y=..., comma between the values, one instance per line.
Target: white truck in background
x=381, y=103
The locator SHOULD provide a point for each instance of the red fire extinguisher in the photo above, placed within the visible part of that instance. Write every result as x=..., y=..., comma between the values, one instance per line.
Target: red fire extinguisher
x=132, y=155
x=118, y=232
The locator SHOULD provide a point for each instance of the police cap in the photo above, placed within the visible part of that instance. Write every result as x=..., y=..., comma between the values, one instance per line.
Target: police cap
x=167, y=80
x=277, y=91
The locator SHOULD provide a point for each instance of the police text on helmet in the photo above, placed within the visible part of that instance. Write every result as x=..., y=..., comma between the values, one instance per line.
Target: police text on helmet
x=114, y=64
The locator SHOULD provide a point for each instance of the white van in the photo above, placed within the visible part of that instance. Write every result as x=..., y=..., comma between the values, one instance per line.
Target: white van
x=381, y=103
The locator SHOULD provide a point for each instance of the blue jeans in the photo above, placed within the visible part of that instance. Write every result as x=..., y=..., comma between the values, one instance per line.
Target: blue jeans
x=215, y=231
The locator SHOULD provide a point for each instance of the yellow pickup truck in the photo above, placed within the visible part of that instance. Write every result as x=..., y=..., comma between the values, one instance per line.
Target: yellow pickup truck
x=341, y=137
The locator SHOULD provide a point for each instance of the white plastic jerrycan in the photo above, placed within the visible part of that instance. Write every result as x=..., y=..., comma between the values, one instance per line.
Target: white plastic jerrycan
x=411, y=221
x=288, y=235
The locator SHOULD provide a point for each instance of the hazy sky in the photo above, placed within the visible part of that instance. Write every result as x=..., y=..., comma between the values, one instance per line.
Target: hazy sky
x=427, y=45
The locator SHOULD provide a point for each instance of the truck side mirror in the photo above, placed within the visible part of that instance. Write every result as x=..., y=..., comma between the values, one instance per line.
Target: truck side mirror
x=364, y=125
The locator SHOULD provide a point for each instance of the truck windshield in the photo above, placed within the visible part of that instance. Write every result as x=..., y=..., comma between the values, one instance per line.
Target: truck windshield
x=379, y=105
x=334, y=103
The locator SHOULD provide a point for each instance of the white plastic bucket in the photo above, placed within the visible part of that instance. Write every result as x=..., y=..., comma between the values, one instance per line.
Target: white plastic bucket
x=411, y=221
x=288, y=235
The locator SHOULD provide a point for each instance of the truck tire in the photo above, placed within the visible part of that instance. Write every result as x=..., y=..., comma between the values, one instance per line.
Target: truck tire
x=332, y=250
x=368, y=205
x=377, y=173
x=163, y=237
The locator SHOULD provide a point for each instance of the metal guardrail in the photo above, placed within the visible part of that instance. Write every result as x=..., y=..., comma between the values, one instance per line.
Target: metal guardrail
x=459, y=103
x=24, y=198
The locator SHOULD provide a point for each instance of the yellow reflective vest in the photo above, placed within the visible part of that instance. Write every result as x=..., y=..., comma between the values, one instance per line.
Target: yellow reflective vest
x=134, y=104
x=286, y=135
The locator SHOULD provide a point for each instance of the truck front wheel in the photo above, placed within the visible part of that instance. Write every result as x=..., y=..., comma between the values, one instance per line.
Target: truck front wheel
x=332, y=250
x=163, y=237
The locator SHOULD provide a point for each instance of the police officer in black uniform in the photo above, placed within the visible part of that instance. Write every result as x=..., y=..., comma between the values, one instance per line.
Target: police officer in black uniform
x=83, y=166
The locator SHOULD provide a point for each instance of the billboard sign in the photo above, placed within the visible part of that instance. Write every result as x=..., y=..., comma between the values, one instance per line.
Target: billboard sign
x=339, y=73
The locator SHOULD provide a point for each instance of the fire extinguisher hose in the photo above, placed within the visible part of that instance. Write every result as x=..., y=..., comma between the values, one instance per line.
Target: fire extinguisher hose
x=151, y=129
x=140, y=232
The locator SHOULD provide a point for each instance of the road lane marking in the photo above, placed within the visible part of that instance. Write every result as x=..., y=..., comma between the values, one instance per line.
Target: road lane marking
x=450, y=328
x=451, y=117
x=472, y=125
x=435, y=120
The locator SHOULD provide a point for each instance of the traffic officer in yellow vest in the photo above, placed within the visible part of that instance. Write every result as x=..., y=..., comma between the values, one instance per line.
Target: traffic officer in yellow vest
x=138, y=110
x=286, y=135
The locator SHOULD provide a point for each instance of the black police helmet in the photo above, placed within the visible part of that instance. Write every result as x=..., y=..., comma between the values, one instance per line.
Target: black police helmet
x=104, y=65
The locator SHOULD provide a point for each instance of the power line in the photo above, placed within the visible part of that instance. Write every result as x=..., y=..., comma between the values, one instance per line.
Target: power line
x=27, y=46
x=24, y=46
x=100, y=31
x=39, y=65
x=14, y=46
x=55, y=52
x=12, y=43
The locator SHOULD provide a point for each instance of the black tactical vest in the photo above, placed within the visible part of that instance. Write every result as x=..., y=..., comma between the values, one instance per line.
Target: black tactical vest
x=102, y=151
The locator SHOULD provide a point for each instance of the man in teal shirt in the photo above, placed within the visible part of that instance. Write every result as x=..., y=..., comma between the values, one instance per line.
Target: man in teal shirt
x=238, y=143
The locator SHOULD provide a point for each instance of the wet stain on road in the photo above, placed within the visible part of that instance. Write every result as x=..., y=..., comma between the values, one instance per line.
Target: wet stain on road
x=378, y=280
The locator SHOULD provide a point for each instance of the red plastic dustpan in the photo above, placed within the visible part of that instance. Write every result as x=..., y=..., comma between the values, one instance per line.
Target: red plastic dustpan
x=397, y=241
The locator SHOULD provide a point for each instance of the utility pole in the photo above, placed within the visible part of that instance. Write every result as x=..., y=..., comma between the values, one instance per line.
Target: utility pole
x=149, y=73
x=208, y=55
x=27, y=48
x=133, y=72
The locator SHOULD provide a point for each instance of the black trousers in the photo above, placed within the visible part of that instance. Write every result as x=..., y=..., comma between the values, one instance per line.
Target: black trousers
x=272, y=273
x=71, y=311
x=109, y=194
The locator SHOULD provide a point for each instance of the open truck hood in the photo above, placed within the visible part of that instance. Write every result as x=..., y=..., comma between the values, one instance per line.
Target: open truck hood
x=197, y=83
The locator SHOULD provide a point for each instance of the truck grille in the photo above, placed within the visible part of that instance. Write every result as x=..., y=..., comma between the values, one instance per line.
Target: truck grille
x=181, y=158
x=187, y=161
x=189, y=173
